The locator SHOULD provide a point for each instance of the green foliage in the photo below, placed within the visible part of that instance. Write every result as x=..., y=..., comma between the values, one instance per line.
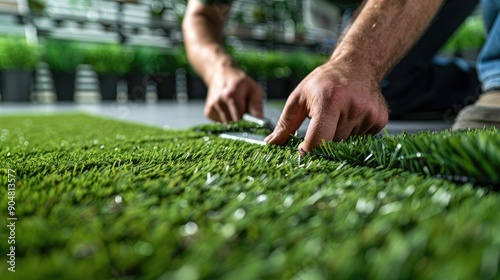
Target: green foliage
x=183, y=62
x=174, y=59
x=469, y=36
x=102, y=199
x=63, y=56
x=276, y=64
x=268, y=64
x=110, y=59
x=250, y=61
x=150, y=60
x=147, y=59
x=302, y=63
x=16, y=53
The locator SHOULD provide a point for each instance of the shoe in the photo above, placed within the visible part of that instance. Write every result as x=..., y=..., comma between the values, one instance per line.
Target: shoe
x=482, y=114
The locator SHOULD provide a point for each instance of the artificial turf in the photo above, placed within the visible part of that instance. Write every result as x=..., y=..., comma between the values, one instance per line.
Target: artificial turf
x=102, y=199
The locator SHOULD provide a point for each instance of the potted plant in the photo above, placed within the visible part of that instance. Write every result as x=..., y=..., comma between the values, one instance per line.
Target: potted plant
x=297, y=63
x=277, y=73
x=146, y=62
x=18, y=60
x=63, y=58
x=251, y=62
x=110, y=61
x=165, y=78
x=158, y=66
x=195, y=86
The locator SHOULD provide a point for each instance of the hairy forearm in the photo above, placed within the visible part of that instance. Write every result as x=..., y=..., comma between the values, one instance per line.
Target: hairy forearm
x=382, y=33
x=202, y=29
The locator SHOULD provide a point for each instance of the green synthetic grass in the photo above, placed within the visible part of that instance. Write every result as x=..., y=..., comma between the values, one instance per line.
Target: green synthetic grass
x=101, y=199
x=466, y=156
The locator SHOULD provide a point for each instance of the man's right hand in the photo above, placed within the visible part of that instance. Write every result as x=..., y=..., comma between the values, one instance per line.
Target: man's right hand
x=231, y=93
x=342, y=97
x=340, y=101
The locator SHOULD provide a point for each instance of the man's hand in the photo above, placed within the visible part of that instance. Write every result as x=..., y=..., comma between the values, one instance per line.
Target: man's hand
x=231, y=93
x=342, y=97
x=340, y=103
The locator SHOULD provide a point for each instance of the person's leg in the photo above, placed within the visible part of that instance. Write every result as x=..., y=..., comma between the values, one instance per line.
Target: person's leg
x=486, y=111
x=420, y=83
x=489, y=59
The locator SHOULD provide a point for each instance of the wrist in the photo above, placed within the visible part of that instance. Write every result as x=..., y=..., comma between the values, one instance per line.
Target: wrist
x=221, y=63
x=358, y=65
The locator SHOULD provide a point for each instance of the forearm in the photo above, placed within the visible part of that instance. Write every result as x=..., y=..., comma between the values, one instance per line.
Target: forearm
x=202, y=29
x=384, y=30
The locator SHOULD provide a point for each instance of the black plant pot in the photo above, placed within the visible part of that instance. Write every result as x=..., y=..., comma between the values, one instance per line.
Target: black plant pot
x=196, y=88
x=278, y=88
x=165, y=85
x=108, y=85
x=136, y=86
x=64, y=85
x=16, y=85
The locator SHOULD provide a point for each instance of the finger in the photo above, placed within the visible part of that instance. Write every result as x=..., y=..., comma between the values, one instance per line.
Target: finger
x=290, y=120
x=255, y=107
x=322, y=127
x=369, y=122
x=344, y=129
x=232, y=101
x=221, y=112
x=381, y=122
x=234, y=112
x=365, y=125
x=211, y=113
x=360, y=130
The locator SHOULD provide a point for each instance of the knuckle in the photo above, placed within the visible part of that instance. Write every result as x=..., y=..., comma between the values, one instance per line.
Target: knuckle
x=329, y=95
x=379, y=126
x=385, y=118
x=372, y=115
x=227, y=94
x=281, y=125
x=324, y=103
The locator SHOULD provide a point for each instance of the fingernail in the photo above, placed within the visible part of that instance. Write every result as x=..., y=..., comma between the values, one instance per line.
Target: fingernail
x=301, y=151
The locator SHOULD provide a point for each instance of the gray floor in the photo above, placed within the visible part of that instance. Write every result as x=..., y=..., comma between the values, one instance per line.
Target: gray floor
x=177, y=115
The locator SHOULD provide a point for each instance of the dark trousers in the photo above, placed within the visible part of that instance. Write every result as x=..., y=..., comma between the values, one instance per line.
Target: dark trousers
x=419, y=83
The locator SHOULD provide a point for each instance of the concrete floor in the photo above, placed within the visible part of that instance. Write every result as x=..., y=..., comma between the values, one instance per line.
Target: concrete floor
x=177, y=115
